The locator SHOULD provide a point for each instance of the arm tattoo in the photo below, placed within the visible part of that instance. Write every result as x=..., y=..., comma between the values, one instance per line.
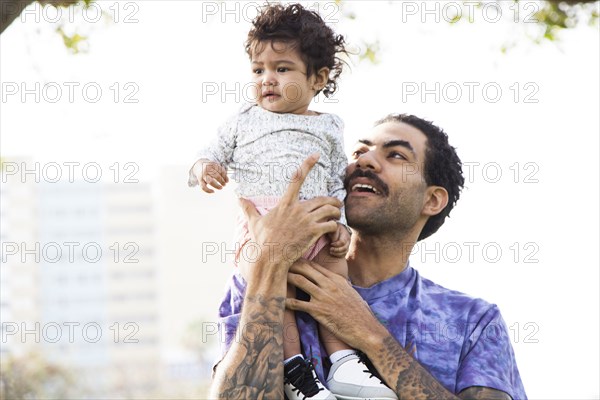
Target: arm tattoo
x=259, y=374
x=479, y=392
x=411, y=381
x=408, y=378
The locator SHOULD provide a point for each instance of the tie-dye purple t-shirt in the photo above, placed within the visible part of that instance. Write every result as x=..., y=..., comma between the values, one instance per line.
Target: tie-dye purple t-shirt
x=460, y=340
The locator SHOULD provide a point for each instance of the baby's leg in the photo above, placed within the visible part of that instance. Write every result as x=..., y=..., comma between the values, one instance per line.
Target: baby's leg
x=350, y=376
x=340, y=267
x=291, y=335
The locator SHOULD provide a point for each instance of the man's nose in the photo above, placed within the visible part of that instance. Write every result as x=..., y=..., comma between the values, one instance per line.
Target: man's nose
x=368, y=160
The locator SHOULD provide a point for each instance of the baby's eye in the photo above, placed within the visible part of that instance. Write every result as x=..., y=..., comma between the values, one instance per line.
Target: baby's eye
x=282, y=69
x=257, y=71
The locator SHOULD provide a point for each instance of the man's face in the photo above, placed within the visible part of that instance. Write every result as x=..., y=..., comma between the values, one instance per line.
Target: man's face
x=384, y=183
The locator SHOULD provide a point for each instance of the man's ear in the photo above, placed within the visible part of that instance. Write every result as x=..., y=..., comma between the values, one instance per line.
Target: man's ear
x=436, y=199
x=321, y=78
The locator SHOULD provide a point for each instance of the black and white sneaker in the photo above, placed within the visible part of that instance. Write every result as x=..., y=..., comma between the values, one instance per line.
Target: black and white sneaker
x=354, y=377
x=301, y=382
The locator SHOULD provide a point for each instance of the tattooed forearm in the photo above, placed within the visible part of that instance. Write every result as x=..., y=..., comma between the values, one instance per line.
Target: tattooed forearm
x=478, y=392
x=411, y=381
x=254, y=365
x=405, y=375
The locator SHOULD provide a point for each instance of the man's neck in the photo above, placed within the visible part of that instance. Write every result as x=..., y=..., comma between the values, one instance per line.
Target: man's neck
x=373, y=259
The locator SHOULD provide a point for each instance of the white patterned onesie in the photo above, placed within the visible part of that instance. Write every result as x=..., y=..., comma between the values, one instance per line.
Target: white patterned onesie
x=263, y=150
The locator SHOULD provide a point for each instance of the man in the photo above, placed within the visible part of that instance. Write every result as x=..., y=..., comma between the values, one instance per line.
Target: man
x=424, y=341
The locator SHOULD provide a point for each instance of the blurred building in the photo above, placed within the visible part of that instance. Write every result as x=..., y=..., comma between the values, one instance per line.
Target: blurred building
x=82, y=288
x=18, y=278
x=192, y=279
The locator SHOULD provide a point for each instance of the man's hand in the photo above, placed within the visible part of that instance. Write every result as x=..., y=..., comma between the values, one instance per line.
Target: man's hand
x=287, y=231
x=340, y=241
x=333, y=303
x=209, y=175
x=338, y=306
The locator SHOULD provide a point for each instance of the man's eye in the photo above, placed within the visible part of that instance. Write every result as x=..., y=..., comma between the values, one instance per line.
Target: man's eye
x=395, y=154
x=357, y=153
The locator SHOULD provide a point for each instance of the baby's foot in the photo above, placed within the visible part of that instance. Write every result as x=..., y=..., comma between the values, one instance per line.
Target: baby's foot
x=354, y=378
x=301, y=382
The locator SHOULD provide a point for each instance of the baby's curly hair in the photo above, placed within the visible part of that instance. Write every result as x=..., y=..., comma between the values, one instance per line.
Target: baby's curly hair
x=317, y=44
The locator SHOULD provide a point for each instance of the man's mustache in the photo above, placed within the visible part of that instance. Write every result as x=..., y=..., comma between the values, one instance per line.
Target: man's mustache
x=366, y=173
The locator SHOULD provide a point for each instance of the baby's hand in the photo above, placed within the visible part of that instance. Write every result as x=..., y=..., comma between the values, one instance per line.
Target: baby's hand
x=210, y=173
x=340, y=241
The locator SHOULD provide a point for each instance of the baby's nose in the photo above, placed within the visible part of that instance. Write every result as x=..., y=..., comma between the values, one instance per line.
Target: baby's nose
x=269, y=79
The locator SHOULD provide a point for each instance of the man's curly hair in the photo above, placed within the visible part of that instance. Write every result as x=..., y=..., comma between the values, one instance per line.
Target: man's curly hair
x=306, y=31
x=442, y=166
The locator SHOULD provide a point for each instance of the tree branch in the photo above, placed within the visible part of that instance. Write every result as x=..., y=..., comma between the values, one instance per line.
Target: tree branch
x=10, y=10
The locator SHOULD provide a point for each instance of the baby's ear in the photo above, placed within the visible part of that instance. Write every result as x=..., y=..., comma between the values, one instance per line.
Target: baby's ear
x=321, y=78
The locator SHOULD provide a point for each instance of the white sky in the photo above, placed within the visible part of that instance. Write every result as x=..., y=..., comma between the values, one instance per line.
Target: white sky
x=175, y=49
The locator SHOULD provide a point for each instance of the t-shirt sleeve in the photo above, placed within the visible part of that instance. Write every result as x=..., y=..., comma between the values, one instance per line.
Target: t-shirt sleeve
x=488, y=359
x=220, y=148
x=230, y=312
x=339, y=162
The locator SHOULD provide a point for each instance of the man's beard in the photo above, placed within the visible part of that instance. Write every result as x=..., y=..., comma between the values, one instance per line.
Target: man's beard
x=394, y=216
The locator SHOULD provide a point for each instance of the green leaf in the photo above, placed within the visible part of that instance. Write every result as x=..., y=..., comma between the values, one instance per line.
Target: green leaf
x=72, y=42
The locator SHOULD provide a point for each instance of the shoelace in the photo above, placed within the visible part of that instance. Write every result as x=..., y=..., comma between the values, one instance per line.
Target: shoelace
x=370, y=367
x=306, y=383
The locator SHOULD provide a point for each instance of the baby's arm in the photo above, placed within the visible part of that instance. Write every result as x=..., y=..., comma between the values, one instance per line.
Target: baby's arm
x=211, y=168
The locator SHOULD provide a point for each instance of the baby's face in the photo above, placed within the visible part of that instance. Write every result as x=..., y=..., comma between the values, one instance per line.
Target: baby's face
x=280, y=78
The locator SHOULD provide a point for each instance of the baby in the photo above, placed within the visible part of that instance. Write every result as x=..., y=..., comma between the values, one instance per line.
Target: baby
x=293, y=56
